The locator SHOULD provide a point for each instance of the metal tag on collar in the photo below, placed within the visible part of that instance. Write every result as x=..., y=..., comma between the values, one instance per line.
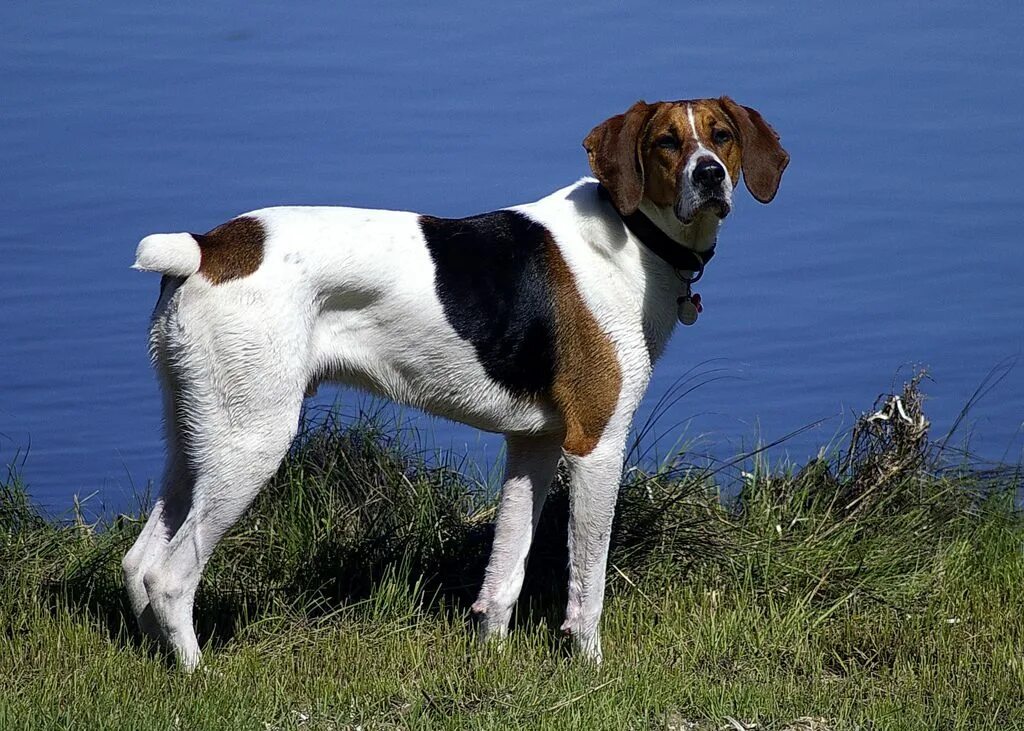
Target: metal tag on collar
x=686, y=308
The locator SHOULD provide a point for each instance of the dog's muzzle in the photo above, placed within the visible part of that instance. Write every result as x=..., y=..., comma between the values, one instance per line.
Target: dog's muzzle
x=708, y=179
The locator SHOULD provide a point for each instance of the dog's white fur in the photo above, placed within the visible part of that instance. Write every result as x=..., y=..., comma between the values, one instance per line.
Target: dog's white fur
x=348, y=295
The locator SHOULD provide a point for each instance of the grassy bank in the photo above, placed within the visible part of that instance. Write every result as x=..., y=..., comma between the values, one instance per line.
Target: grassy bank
x=873, y=590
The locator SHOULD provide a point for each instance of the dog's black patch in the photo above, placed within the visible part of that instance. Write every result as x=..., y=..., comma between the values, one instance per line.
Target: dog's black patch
x=490, y=274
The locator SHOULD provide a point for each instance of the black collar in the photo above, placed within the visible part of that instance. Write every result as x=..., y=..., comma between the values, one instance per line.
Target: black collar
x=670, y=251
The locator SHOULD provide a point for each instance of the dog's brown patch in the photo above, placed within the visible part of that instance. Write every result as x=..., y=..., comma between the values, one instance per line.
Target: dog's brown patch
x=232, y=250
x=587, y=376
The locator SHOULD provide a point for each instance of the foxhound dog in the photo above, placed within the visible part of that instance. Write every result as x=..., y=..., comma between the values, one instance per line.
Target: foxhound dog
x=540, y=321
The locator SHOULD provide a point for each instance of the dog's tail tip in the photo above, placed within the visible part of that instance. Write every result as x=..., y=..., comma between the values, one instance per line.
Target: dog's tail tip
x=177, y=255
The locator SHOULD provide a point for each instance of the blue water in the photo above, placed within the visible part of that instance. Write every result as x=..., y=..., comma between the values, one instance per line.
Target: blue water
x=895, y=238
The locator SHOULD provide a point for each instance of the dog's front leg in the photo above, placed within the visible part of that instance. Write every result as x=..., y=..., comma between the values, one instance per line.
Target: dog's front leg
x=593, y=489
x=530, y=466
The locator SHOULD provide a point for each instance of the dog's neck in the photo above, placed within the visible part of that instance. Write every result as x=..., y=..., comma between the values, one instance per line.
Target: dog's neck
x=700, y=235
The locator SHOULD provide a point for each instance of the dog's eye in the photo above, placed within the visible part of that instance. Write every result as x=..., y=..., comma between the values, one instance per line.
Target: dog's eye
x=667, y=142
x=721, y=136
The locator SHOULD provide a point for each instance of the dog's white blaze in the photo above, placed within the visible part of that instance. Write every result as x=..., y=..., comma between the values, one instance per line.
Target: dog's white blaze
x=702, y=151
x=693, y=125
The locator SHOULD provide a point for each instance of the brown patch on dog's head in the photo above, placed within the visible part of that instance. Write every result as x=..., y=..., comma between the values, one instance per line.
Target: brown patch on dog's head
x=644, y=152
x=587, y=375
x=232, y=250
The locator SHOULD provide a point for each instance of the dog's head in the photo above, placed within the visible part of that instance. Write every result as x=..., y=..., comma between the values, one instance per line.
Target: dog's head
x=686, y=156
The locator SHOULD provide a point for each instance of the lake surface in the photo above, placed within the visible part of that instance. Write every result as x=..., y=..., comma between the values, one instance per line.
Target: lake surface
x=896, y=238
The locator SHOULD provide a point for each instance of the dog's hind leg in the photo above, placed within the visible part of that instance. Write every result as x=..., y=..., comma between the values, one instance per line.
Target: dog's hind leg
x=234, y=449
x=233, y=379
x=235, y=455
x=167, y=514
x=530, y=467
x=170, y=509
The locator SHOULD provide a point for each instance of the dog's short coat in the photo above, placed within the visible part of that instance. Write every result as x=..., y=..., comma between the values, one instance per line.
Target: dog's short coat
x=540, y=321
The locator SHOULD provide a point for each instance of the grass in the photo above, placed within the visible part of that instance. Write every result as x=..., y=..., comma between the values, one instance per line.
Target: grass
x=875, y=590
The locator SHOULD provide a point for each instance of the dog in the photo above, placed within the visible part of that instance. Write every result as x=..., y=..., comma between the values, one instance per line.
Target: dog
x=539, y=321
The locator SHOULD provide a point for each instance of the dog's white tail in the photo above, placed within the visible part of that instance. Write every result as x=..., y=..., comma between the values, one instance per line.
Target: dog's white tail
x=175, y=254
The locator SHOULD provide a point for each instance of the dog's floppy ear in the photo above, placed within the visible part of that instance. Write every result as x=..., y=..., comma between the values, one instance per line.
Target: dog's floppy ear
x=613, y=148
x=763, y=156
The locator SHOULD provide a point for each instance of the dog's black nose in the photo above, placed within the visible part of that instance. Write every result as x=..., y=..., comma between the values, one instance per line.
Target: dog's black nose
x=708, y=173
